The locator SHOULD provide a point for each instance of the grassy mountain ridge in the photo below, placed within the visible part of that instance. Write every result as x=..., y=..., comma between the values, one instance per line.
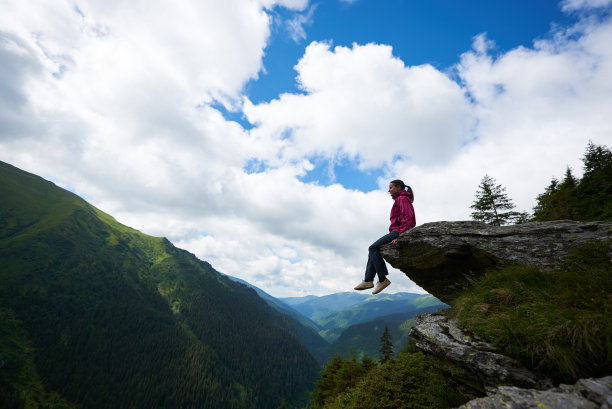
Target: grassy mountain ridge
x=96, y=314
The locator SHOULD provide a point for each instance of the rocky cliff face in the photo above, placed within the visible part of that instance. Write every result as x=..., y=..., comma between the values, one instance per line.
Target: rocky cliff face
x=584, y=394
x=476, y=364
x=444, y=257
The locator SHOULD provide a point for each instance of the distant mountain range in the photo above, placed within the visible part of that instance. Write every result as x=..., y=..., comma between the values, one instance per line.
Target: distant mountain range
x=351, y=321
x=354, y=322
x=335, y=312
x=95, y=314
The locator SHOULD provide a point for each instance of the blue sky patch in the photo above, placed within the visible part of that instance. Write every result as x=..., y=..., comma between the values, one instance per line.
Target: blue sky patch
x=344, y=172
x=432, y=32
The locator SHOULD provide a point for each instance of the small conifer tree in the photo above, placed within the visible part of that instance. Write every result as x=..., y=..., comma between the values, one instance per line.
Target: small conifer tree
x=386, y=347
x=492, y=204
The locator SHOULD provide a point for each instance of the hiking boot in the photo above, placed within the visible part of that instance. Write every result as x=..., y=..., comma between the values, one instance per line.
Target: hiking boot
x=381, y=286
x=364, y=285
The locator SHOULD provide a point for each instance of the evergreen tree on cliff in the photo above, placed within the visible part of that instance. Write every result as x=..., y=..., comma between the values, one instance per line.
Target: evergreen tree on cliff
x=589, y=198
x=492, y=204
x=386, y=347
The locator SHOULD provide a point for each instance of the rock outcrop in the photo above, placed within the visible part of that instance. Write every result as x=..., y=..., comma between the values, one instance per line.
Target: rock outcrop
x=585, y=394
x=475, y=364
x=443, y=257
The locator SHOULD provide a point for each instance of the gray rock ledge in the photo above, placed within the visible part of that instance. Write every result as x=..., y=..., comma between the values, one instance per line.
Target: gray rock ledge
x=443, y=257
x=585, y=394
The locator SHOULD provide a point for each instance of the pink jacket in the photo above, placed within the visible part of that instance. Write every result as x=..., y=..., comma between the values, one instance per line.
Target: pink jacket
x=402, y=213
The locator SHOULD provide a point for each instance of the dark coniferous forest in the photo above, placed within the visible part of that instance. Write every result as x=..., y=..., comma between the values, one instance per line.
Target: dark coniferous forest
x=94, y=314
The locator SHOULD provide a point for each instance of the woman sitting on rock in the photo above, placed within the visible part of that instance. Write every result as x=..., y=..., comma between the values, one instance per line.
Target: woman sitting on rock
x=402, y=219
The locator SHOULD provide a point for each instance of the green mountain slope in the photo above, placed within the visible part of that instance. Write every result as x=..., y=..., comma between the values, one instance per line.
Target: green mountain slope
x=364, y=338
x=304, y=328
x=95, y=314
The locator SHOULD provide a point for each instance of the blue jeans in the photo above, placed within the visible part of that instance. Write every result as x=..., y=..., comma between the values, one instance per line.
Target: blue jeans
x=376, y=264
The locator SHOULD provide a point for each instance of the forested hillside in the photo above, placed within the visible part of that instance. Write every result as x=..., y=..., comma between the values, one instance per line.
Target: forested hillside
x=364, y=339
x=94, y=314
x=305, y=329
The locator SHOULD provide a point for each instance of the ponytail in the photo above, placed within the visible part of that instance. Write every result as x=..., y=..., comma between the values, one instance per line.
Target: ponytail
x=403, y=186
x=409, y=190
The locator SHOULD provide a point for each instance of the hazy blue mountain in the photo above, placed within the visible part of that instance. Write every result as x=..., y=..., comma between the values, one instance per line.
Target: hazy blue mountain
x=336, y=312
x=291, y=301
x=94, y=314
x=315, y=307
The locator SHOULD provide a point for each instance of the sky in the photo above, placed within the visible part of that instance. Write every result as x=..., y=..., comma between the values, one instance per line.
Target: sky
x=261, y=135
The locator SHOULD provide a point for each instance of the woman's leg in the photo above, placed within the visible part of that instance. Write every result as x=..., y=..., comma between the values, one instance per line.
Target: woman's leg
x=376, y=264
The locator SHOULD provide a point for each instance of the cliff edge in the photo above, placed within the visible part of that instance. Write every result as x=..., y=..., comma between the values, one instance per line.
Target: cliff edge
x=445, y=258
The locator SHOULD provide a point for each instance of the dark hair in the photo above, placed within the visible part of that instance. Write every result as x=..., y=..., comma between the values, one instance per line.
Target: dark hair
x=403, y=186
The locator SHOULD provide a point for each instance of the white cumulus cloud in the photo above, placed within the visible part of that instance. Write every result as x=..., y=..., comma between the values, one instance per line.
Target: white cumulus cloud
x=117, y=101
x=365, y=104
x=571, y=5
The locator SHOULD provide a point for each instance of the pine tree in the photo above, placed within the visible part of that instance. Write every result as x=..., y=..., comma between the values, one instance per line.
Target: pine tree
x=386, y=347
x=594, y=192
x=492, y=204
x=597, y=158
x=543, y=210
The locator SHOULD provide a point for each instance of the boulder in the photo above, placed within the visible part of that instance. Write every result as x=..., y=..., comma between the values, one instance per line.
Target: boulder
x=442, y=257
x=585, y=394
x=474, y=364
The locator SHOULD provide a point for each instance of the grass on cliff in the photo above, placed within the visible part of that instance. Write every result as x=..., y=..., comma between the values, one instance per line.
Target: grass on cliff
x=559, y=323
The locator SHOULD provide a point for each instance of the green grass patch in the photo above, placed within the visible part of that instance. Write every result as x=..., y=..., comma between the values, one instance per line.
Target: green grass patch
x=558, y=322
